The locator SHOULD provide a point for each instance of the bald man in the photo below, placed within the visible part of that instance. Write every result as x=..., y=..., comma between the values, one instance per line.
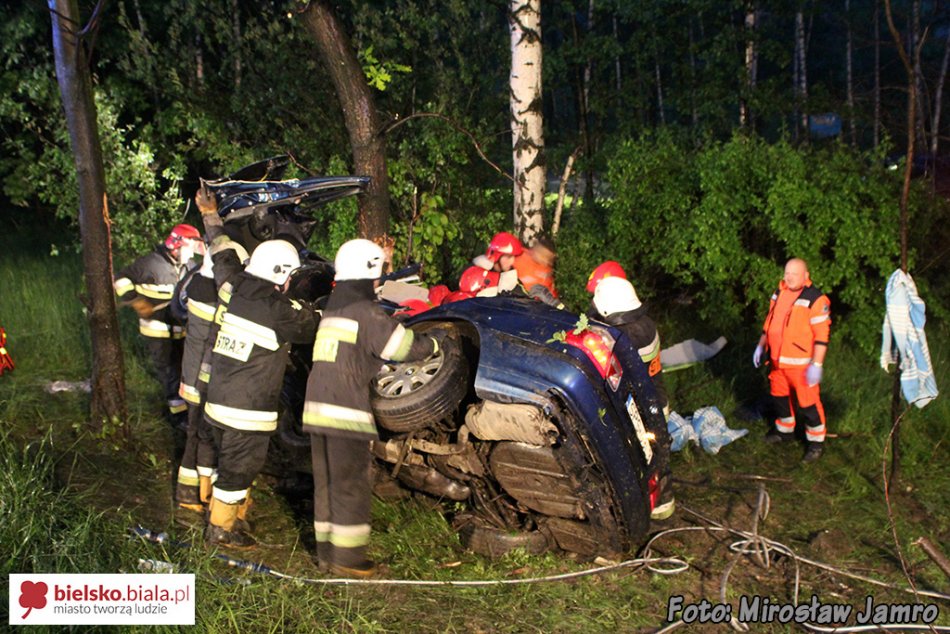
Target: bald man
x=795, y=334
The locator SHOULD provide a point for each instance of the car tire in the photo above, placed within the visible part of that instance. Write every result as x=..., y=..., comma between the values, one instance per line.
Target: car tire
x=494, y=543
x=411, y=396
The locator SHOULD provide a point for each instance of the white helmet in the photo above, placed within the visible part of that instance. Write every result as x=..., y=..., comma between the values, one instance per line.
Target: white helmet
x=274, y=261
x=359, y=260
x=615, y=295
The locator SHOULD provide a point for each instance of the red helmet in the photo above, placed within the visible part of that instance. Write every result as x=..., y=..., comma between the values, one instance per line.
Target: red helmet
x=476, y=279
x=179, y=234
x=414, y=306
x=438, y=293
x=503, y=244
x=605, y=269
x=457, y=296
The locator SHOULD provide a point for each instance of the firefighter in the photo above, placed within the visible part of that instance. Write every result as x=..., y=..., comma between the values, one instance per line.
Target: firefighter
x=795, y=335
x=617, y=304
x=249, y=356
x=147, y=285
x=199, y=294
x=354, y=338
x=502, y=252
x=606, y=269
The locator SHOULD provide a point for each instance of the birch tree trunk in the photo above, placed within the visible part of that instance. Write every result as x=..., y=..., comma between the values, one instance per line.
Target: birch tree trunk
x=751, y=66
x=801, y=58
x=938, y=99
x=236, y=43
x=849, y=72
x=359, y=113
x=75, y=86
x=659, y=84
x=527, y=130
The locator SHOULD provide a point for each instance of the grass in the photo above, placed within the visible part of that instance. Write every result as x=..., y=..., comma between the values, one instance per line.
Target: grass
x=67, y=497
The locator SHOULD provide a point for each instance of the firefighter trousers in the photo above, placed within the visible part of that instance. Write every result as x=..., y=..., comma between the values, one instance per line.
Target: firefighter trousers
x=166, y=354
x=786, y=383
x=342, y=497
x=199, y=457
x=241, y=456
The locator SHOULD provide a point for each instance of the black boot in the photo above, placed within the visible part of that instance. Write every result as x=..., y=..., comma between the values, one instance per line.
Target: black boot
x=814, y=451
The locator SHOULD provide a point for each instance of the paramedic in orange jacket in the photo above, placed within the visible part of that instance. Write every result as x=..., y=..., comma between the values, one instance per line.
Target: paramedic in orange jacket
x=795, y=334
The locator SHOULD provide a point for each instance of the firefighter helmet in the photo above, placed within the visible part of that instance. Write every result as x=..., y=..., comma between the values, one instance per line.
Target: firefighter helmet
x=274, y=261
x=476, y=279
x=615, y=295
x=178, y=235
x=359, y=260
x=604, y=270
x=503, y=243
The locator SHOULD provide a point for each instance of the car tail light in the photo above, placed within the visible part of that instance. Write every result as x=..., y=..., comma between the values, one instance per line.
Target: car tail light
x=654, y=488
x=598, y=345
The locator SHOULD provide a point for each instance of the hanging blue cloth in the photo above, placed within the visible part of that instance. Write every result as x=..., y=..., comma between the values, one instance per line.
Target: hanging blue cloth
x=903, y=336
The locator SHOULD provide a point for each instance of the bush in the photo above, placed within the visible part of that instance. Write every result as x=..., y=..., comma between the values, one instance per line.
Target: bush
x=718, y=224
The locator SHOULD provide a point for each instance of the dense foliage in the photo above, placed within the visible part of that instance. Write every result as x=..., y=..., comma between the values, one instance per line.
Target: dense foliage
x=649, y=91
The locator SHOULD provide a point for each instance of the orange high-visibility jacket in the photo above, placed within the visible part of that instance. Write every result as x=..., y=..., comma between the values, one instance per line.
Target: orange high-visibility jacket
x=531, y=272
x=808, y=323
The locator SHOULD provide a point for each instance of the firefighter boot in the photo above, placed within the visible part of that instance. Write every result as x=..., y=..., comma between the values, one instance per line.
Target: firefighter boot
x=204, y=489
x=365, y=569
x=221, y=530
x=187, y=498
x=240, y=523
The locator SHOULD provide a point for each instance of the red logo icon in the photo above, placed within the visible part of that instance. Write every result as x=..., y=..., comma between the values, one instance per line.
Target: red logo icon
x=32, y=595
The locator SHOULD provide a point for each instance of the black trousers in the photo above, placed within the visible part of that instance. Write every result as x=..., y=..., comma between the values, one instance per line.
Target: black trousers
x=200, y=449
x=342, y=498
x=241, y=456
x=166, y=363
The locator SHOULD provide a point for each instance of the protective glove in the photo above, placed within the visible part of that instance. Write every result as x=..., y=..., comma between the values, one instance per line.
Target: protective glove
x=813, y=374
x=207, y=203
x=757, y=356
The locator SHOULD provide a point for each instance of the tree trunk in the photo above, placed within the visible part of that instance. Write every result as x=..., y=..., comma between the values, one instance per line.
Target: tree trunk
x=849, y=48
x=751, y=66
x=618, y=83
x=915, y=45
x=527, y=131
x=801, y=59
x=877, y=73
x=659, y=83
x=359, y=112
x=909, y=68
x=938, y=99
x=75, y=85
x=236, y=43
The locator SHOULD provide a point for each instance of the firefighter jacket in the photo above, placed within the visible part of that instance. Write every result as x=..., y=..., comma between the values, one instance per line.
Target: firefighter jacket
x=200, y=296
x=641, y=330
x=250, y=354
x=807, y=324
x=355, y=335
x=151, y=280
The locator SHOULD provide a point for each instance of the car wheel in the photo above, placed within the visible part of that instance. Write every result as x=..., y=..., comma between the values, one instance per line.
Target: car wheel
x=413, y=395
x=493, y=542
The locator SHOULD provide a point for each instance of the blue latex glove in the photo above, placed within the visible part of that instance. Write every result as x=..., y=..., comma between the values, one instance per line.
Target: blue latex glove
x=813, y=374
x=757, y=356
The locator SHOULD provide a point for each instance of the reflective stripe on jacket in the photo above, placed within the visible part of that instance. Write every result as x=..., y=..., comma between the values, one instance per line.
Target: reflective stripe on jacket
x=355, y=335
x=808, y=324
x=152, y=277
x=249, y=354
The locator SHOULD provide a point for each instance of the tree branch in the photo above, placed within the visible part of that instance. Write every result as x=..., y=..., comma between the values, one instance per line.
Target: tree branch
x=435, y=115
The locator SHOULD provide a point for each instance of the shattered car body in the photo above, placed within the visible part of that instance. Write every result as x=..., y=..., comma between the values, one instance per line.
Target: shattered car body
x=538, y=430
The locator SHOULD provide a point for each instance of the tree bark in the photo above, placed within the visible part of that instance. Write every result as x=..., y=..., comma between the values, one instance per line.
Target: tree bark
x=75, y=85
x=751, y=66
x=527, y=129
x=359, y=112
x=236, y=44
x=802, y=75
x=938, y=99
